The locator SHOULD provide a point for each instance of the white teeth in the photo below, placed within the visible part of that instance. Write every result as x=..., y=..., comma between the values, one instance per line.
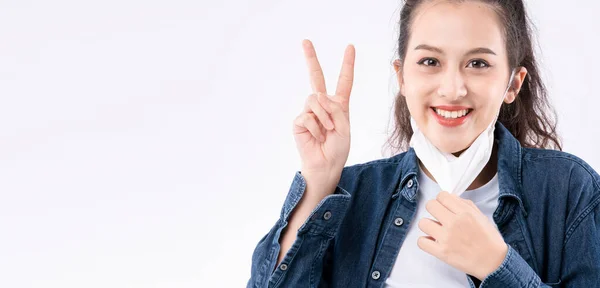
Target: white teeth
x=451, y=114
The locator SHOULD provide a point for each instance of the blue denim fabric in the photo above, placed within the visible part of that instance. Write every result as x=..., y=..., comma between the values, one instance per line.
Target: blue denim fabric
x=548, y=214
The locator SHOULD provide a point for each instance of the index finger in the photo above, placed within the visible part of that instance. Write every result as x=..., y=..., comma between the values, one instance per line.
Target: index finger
x=317, y=80
x=439, y=211
x=452, y=202
x=344, y=85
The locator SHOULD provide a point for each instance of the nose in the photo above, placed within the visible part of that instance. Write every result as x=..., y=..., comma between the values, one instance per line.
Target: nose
x=452, y=85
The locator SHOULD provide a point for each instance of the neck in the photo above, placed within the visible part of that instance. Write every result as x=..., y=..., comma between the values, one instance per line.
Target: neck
x=484, y=177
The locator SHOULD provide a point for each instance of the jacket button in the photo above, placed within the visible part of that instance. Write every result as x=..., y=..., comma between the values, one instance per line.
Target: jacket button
x=375, y=275
x=327, y=215
x=399, y=221
x=410, y=183
x=283, y=267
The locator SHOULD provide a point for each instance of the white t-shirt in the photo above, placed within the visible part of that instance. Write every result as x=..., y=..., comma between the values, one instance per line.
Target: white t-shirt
x=416, y=268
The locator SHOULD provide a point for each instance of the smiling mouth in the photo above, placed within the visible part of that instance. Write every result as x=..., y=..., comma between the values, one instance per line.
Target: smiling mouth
x=452, y=114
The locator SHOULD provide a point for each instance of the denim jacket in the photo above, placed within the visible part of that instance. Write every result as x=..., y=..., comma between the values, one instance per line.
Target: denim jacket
x=548, y=213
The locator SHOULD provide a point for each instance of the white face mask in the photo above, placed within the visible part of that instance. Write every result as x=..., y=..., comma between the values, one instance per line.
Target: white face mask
x=455, y=174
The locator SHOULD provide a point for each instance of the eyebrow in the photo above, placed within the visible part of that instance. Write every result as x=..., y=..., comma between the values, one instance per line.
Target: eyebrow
x=478, y=50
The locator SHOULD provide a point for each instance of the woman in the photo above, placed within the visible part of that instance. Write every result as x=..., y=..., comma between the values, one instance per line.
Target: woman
x=473, y=109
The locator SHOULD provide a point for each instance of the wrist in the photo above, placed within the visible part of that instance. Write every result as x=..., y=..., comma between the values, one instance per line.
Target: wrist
x=321, y=182
x=495, y=261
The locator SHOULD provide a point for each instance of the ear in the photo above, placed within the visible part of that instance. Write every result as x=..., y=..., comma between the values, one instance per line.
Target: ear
x=398, y=67
x=516, y=85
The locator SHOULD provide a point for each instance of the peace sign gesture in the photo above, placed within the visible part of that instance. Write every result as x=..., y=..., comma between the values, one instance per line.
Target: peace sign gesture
x=322, y=130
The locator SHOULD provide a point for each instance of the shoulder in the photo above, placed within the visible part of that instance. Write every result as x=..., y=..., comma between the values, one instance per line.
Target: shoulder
x=378, y=172
x=562, y=180
x=376, y=165
x=561, y=166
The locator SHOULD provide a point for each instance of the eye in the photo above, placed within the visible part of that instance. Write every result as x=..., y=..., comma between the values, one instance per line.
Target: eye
x=478, y=63
x=428, y=62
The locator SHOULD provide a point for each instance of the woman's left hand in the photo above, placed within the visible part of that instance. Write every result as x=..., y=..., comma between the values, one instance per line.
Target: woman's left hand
x=463, y=236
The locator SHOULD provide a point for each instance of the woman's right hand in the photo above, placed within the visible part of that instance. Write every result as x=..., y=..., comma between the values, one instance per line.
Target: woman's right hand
x=322, y=130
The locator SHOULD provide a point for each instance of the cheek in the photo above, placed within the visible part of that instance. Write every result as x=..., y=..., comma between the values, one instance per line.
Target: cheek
x=419, y=88
x=487, y=98
x=420, y=94
x=420, y=82
x=483, y=87
x=486, y=110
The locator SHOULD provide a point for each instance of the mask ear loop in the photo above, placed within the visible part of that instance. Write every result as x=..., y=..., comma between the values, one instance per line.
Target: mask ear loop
x=510, y=82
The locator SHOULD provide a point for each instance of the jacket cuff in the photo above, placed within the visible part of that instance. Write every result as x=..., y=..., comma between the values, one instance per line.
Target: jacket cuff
x=326, y=217
x=513, y=272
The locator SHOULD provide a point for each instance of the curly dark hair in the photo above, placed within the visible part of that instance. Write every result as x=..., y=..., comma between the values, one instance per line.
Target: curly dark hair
x=530, y=118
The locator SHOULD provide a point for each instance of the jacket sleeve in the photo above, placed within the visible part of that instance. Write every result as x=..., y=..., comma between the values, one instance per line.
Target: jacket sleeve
x=581, y=258
x=306, y=260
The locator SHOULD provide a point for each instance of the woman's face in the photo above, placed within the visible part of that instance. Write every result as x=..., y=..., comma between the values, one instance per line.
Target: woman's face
x=456, y=63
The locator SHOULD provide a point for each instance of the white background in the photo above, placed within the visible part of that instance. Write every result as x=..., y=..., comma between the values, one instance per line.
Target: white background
x=149, y=144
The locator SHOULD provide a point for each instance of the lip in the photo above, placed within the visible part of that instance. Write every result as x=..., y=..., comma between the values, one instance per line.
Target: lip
x=451, y=108
x=450, y=122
